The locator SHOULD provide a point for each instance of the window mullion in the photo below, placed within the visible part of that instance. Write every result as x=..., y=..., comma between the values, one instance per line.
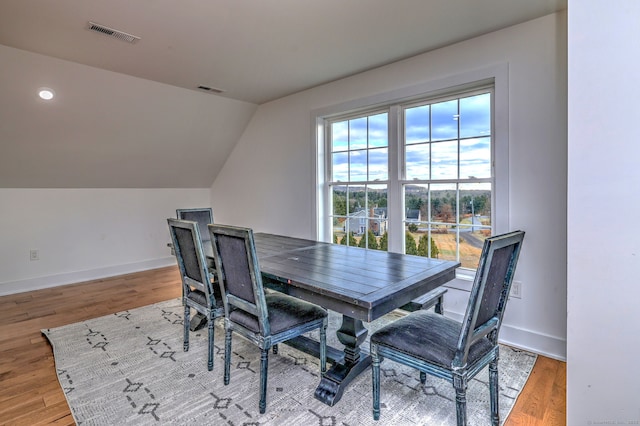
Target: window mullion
x=395, y=204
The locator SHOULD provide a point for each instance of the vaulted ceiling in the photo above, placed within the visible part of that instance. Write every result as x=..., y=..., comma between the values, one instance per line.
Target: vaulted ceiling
x=122, y=117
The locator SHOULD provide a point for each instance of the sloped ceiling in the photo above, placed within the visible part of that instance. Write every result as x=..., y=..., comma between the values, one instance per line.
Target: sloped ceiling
x=130, y=115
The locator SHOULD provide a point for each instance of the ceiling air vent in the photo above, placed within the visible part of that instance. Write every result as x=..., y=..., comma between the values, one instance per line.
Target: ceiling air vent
x=210, y=89
x=112, y=33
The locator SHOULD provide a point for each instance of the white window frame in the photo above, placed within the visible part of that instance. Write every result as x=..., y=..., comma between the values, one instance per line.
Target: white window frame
x=495, y=75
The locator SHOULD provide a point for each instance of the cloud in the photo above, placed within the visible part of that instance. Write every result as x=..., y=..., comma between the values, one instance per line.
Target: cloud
x=434, y=148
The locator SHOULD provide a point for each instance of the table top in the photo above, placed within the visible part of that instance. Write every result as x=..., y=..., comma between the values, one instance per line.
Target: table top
x=359, y=283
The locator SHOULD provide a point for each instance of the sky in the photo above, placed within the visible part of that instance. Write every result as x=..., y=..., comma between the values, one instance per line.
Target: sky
x=439, y=138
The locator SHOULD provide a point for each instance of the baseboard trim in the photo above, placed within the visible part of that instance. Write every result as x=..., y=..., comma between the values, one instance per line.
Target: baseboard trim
x=21, y=286
x=529, y=340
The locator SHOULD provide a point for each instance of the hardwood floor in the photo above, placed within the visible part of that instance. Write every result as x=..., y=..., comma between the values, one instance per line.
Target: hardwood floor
x=30, y=393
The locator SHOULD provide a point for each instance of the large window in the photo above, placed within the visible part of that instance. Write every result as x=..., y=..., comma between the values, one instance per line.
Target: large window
x=359, y=179
x=412, y=176
x=447, y=182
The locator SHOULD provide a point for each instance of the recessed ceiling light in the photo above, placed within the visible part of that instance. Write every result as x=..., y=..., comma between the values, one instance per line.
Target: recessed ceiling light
x=46, y=93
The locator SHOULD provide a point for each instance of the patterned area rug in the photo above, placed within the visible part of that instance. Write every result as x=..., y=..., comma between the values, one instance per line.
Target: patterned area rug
x=129, y=368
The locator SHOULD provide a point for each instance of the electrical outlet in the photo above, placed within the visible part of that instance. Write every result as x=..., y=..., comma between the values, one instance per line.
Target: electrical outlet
x=516, y=289
x=34, y=254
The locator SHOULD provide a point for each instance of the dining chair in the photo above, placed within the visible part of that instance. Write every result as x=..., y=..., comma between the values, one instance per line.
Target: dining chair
x=199, y=292
x=265, y=319
x=449, y=349
x=202, y=216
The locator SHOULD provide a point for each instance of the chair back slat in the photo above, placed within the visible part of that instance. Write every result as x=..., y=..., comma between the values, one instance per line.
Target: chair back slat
x=490, y=291
x=251, y=308
x=191, y=261
x=239, y=272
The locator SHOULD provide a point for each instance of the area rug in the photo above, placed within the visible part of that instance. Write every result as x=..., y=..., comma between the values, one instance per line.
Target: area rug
x=129, y=368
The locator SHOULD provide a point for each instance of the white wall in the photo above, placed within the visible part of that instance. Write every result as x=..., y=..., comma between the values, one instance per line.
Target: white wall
x=84, y=234
x=267, y=182
x=603, y=373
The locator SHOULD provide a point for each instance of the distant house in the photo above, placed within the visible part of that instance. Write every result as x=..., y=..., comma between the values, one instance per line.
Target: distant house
x=413, y=216
x=357, y=221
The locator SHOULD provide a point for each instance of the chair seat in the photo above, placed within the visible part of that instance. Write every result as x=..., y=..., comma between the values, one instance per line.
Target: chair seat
x=285, y=312
x=429, y=337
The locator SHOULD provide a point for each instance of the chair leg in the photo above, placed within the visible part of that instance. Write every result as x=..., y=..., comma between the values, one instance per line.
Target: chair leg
x=375, y=370
x=210, y=351
x=460, y=384
x=423, y=377
x=264, y=367
x=185, y=344
x=323, y=348
x=494, y=390
x=275, y=349
x=227, y=355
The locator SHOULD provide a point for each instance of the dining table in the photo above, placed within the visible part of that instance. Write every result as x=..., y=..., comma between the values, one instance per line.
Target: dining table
x=360, y=284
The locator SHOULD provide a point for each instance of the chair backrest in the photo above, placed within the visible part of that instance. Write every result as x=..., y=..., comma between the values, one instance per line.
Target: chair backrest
x=203, y=217
x=191, y=261
x=490, y=292
x=239, y=274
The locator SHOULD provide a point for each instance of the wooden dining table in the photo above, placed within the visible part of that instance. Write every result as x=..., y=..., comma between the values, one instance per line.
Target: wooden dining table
x=360, y=284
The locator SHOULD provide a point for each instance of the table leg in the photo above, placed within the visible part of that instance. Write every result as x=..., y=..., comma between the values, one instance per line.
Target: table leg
x=351, y=334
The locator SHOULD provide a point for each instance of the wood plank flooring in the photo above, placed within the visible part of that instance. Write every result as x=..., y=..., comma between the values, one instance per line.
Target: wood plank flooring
x=30, y=393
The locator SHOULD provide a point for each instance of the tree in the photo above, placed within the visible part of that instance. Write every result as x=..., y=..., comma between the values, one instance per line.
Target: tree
x=435, y=252
x=447, y=213
x=414, y=203
x=339, y=204
x=435, y=206
x=363, y=242
x=372, y=243
x=410, y=244
x=413, y=227
x=384, y=242
x=423, y=246
x=481, y=204
x=351, y=239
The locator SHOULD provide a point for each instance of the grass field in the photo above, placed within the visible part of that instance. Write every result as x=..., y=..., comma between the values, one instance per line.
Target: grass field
x=446, y=243
x=469, y=255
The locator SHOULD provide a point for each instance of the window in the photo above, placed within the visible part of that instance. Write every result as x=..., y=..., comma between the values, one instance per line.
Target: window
x=359, y=167
x=447, y=184
x=418, y=174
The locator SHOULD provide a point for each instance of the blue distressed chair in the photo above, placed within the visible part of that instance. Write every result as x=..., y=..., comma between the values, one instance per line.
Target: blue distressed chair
x=449, y=349
x=265, y=319
x=198, y=290
x=202, y=216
